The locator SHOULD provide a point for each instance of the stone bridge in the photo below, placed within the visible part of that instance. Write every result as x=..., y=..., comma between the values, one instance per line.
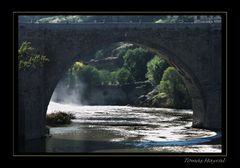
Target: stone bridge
x=194, y=50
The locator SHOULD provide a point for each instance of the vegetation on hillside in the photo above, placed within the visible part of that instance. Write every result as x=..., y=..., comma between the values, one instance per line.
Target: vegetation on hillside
x=171, y=92
x=140, y=65
x=172, y=87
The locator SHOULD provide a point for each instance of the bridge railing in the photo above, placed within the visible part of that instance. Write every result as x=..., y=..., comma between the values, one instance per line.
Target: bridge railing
x=118, y=25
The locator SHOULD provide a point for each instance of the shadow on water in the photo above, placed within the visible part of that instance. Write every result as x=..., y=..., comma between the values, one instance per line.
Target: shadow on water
x=90, y=146
x=69, y=146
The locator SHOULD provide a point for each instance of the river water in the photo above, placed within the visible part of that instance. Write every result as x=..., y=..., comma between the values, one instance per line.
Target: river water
x=129, y=129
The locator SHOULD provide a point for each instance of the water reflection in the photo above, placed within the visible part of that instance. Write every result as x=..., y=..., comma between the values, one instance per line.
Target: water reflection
x=129, y=129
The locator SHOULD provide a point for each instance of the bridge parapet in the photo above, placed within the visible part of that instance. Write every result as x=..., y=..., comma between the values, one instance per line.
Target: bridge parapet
x=57, y=26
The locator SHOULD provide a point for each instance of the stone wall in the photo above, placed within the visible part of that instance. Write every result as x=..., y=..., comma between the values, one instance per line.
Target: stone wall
x=117, y=95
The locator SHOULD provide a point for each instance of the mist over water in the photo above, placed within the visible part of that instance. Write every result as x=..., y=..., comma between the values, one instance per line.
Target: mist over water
x=66, y=95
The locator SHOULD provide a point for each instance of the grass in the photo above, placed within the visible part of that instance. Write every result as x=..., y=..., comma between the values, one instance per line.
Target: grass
x=59, y=118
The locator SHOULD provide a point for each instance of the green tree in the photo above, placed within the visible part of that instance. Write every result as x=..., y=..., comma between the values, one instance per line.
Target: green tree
x=90, y=76
x=105, y=77
x=174, y=89
x=124, y=76
x=114, y=77
x=135, y=61
x=28, y=58
x=155, y=69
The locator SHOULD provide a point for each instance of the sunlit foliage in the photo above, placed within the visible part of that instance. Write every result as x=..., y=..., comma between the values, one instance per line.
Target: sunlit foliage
x=174, y=89
x=28, y=58
x=155, y=69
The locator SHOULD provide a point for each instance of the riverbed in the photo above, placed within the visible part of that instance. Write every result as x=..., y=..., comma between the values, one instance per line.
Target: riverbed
x=116, y=129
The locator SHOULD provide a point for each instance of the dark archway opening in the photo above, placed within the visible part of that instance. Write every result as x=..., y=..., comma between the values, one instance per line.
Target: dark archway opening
x=130, y=72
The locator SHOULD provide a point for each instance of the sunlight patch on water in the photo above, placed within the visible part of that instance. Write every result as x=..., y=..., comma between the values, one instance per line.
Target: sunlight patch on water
x=190, y=149
x=63, y=130
x=133, y=126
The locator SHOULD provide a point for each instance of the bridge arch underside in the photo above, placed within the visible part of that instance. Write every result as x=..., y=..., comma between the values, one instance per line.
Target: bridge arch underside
x=197, y=59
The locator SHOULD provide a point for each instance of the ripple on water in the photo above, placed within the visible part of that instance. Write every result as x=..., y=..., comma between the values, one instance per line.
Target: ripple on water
x=134, y=126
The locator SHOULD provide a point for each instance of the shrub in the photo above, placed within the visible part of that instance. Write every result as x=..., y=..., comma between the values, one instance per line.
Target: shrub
x=59, y=118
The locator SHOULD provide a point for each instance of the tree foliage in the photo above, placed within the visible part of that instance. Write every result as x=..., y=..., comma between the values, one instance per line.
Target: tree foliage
x=28, y=58
x=123, y=76
x=89, y=75
x=105, y=77
x=155, y=69
x=135, y=61
x=174, y=89
x=78, y=66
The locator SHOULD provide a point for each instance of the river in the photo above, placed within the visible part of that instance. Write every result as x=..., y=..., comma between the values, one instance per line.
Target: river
x=116, y=129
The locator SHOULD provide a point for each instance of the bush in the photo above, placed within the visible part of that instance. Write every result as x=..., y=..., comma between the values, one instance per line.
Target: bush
x=59, y=118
